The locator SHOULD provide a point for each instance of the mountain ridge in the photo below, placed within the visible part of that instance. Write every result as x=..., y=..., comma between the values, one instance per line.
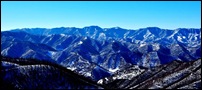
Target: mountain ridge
x=93, y=49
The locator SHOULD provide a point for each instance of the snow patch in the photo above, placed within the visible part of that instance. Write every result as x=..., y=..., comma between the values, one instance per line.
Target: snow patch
x=88, y=74
x=51, y=53
x=102, y=36
x=155, y=47
x=128, y=74
x=126, y=34
x=62, y=34
x=179, y=38
x=147, y=34
x=71, y=68
x=141, y=45
x=5, y=51
x=29, y=51
x=85, y=38
x=80, y=42
x=100, y=81
x=113, y=70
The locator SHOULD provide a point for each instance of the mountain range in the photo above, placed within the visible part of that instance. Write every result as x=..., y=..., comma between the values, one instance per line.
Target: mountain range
x=96, y=52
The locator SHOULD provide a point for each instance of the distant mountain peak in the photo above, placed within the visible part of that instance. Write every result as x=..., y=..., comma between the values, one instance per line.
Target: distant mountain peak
x=92, y=26
x=153, y=28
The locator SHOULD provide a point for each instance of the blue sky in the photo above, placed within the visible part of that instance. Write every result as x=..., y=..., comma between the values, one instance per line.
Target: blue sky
x=106, y=14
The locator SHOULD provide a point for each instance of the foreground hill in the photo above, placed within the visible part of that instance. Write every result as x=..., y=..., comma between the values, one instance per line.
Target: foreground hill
x=175, y=75
x=18, y=73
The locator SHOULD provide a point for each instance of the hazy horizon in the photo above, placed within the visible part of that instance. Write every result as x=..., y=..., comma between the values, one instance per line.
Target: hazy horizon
x=100, y=27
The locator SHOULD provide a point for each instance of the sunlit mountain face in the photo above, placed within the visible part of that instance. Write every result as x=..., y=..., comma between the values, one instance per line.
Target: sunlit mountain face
x=147, y=58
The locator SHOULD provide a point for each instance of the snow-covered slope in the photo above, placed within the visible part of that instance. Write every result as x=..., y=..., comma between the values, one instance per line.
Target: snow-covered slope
x=175, y=75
